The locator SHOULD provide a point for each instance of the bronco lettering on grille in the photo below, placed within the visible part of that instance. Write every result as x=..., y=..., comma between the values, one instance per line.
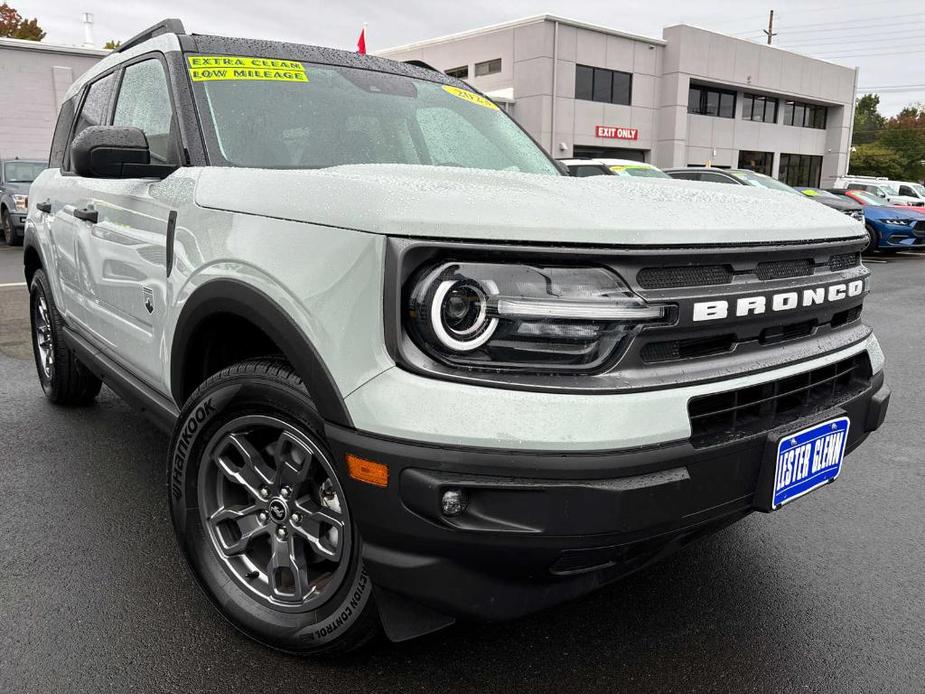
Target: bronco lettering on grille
x=781, y=301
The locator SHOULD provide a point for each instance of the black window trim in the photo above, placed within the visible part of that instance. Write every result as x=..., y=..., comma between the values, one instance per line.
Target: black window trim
x=475, y=67
x=449, y=72
x=706, y=88
x=808, y=107
x=765, y=99
x=594, y=70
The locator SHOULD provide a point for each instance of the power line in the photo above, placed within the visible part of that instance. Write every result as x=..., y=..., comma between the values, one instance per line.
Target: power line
x=864, y=50
x=909, y=34
x=829, y=27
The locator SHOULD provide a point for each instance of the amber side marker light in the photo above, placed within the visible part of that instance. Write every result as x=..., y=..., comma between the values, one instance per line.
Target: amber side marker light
x=368, y=471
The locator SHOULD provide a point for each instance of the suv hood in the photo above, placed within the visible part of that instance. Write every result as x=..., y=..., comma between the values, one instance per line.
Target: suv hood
x=441, y=202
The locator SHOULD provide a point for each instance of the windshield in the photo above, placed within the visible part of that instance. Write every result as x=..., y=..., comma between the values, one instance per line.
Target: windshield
x=638, y=171
x=761, y=181
x=918, y=188
x=868, y=198
x=280, y=114
x=23, y=171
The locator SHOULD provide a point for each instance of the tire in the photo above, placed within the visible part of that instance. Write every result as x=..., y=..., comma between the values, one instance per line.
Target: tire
x=64, y=379
x=274, y=564
x=874, y=244
x=6, y=226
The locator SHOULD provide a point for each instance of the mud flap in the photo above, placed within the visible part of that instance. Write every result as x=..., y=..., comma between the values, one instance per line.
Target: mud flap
x=403, y=619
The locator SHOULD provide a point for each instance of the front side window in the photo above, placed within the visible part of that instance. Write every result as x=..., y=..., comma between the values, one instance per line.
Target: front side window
x=339, y=116
x=144, y=102
x=710, y=101
x=95, y=107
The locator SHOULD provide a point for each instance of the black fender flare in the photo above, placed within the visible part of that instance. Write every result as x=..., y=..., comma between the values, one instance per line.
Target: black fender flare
x=245, y=301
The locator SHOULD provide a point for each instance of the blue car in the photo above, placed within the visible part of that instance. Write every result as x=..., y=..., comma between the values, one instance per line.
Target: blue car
x=891, y=227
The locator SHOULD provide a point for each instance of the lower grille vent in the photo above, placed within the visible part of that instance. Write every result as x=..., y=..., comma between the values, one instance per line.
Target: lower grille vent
x=737, y=414
x=685, y=276
x=782, y=269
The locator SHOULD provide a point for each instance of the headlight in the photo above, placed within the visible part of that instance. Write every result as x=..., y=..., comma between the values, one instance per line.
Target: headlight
x=522, y=317
x=21, y=202
x=897, y=222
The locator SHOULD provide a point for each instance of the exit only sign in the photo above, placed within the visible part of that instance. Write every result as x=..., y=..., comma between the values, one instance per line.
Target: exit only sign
x=614, y=133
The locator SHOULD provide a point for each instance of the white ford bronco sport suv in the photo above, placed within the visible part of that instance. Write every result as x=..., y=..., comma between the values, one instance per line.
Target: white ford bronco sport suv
x=413, y=373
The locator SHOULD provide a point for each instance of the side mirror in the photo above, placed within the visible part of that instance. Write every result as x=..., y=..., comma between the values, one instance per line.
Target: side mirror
x=113, y=151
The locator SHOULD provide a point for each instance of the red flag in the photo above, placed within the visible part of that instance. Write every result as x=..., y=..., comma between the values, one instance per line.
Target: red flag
x=361, y=42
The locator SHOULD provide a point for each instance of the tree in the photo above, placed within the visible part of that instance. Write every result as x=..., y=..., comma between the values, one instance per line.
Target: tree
x=12, y=25
x=112, y=44
x=905, y=135
x=867, y=120
x=875, y=160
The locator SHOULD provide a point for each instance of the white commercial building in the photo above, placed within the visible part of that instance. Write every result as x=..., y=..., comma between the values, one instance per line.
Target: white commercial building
x=34, y=77
x=693, y=97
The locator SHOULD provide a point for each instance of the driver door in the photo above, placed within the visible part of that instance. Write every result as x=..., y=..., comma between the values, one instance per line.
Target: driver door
x=122, y=255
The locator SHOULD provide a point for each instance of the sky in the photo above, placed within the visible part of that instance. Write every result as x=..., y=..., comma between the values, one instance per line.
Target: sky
x=886, y=40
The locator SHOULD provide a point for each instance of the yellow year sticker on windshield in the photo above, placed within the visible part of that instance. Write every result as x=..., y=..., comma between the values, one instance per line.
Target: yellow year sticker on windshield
x=207, y=68
x=471, y=97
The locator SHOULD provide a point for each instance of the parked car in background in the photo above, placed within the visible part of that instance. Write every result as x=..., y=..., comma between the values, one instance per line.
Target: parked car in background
x=582, y=168
x=16, y=175
x=891, y=227
x=882, y=188
x=849, y=206
x=630, y=167
x=741, y=177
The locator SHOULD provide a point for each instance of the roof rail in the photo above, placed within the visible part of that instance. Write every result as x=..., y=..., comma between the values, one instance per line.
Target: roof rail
x=421, y=63
x=167, y=26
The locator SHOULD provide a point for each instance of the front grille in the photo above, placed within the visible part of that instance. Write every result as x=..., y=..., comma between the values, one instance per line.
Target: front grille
x=844, y=261
x=738, y=414
x=782, y=269
x=844, y=317
x=685, y=276
x=672, y=350
x=791, y=331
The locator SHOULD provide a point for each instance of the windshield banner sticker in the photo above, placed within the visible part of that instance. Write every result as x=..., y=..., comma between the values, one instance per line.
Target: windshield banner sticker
x=471, y=97
x=206, y=68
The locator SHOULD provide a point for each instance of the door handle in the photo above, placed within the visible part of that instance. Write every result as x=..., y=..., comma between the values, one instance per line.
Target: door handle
x=88, y=214
x=43, y=207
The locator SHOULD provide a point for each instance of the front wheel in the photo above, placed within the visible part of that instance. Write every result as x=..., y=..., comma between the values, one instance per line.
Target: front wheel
x=261, y=516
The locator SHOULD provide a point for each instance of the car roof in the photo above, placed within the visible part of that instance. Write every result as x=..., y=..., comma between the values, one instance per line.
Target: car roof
x=714, y=169
x=623, y=162
x=168, y=41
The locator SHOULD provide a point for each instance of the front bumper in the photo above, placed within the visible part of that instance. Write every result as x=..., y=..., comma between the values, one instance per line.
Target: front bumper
x=899, y=237
x=541, y=528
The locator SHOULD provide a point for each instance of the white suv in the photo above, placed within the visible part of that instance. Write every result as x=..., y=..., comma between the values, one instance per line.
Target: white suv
x=411, y=372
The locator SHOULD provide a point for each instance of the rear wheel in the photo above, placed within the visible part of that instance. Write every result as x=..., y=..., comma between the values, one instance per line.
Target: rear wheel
x=261, y=516
x=64, y=379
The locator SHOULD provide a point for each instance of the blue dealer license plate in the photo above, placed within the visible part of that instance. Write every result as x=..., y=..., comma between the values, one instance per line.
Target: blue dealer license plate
x=808, y=459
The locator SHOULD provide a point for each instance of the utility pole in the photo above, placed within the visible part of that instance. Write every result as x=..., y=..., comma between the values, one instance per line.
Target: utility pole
x=770, y=30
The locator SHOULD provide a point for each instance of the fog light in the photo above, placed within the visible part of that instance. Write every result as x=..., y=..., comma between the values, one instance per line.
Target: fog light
x=453, y=502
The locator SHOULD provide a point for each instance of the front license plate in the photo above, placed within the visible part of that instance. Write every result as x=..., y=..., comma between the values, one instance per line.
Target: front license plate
x=808, y=459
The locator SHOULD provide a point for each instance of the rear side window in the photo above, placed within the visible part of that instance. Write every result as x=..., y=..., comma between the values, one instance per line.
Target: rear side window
x=62, y=130
x=95, y=108
x=144, y=102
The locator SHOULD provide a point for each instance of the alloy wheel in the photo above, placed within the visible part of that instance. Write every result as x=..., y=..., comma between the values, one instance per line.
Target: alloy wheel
x=44, y=342
x=274, y=510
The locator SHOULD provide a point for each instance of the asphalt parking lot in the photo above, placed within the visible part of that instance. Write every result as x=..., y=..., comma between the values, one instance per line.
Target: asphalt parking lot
x=827, y=595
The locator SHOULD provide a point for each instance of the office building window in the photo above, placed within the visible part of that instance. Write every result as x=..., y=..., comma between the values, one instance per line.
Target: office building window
x=800, y=170
x=804, y=115
x=459, y=72
x=760, y=162
x=606, y=86
x=762, y=109
x=710, y=101
x=489, y=67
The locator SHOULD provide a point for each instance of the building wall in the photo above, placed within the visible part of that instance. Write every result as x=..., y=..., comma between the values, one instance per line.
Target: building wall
x=662, y=72
x=34, y=79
